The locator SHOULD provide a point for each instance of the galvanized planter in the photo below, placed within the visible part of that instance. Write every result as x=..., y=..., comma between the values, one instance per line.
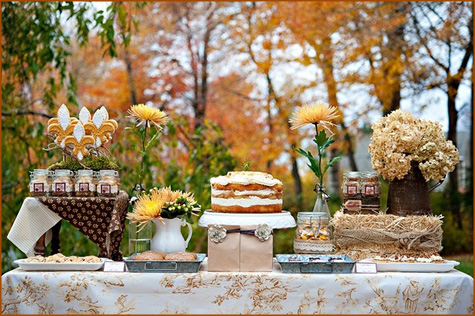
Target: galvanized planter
x=315, y=263
x=164, y=266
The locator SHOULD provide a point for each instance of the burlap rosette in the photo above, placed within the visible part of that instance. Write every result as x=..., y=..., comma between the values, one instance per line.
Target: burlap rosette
x=366, y=236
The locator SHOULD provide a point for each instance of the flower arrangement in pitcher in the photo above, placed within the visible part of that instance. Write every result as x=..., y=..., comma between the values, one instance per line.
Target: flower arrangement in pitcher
x=322, y=116
x=162, y=204
x=399, y=139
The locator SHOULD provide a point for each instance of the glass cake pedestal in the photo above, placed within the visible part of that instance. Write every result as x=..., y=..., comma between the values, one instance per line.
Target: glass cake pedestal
x=276, y=220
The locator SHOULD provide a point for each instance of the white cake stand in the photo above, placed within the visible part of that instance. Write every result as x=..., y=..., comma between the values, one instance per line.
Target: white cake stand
x=276, y=220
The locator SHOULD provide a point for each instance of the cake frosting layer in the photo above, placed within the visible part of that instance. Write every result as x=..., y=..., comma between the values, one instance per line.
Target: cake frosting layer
x=246, y=177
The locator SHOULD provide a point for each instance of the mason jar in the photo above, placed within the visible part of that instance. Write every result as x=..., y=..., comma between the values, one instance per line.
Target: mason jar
x=40, y=183
x=85, y=185
x=313, y=233
x=351, y=188
x=370, y=192
x=108, y=184
x=62, y=183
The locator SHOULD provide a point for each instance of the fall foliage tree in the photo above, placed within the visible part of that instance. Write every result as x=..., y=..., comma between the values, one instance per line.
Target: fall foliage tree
x=445, y=33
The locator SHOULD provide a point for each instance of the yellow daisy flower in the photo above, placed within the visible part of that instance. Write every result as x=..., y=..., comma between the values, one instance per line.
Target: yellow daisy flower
x=146, y=114
x=318, y=114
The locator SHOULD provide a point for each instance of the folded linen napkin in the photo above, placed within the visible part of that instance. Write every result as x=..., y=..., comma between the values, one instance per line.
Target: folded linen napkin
x=33, y=220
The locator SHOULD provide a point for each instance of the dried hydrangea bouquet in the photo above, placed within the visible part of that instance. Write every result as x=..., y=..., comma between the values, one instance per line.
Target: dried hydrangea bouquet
x=408, y=152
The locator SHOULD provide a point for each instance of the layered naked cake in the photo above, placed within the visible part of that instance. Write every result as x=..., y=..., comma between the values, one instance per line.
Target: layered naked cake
x=246, y=192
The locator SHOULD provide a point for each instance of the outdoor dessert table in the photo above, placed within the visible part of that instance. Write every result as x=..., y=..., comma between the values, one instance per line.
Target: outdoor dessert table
x=235, y=293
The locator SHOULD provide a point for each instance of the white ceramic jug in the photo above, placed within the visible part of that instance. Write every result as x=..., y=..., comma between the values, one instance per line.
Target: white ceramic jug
x=168, y=237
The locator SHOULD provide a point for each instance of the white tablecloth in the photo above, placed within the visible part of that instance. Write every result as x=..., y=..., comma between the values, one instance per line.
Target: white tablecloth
x=235, y=292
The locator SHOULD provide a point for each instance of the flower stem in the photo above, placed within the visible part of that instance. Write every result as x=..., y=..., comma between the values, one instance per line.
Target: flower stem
x=319, y=156
x=143, y=153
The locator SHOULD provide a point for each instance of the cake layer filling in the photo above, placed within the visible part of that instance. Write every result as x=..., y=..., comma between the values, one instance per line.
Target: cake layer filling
x=270, y=194
x=245, y=192
x=245, y=202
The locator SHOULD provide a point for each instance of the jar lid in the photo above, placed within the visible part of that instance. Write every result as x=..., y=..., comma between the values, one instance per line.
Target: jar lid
x=85, y=172
x=371, y=174
x=40, y=172
x=108, y=173
x=352, y=174
x=311, y=215
x=63, y=172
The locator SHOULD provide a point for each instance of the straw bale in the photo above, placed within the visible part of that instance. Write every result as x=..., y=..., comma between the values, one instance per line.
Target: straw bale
x=362, y=236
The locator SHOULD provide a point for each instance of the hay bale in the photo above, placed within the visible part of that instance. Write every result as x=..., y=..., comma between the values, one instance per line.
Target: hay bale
x=364, y=236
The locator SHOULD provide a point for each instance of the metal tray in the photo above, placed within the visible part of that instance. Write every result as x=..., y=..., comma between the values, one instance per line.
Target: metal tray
x=164, y=266
x=315, y=263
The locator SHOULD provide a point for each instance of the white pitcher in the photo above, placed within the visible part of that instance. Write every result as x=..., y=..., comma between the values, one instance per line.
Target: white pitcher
x=168, y=237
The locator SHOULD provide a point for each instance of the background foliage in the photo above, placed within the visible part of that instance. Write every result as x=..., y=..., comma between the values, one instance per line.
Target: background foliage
x=229, y=75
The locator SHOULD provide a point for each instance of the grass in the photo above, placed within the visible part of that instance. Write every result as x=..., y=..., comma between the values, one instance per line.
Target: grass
x=466, y=263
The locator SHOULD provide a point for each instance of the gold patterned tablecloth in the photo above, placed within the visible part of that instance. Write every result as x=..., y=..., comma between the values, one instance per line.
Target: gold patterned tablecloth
x=235, y=293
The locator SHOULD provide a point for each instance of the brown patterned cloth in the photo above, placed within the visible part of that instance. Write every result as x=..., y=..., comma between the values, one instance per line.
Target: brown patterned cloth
x=101, y=219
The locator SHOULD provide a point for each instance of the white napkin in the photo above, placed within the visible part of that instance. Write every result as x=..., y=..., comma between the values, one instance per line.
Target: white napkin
x=33, y=220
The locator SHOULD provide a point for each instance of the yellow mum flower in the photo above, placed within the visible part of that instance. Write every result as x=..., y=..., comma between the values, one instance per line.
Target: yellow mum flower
x=146, y=114
x=319, y=114
x=149, y=206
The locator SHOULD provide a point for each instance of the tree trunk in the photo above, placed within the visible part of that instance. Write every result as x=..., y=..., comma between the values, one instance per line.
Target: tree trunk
x=297, y=180
x=335, y=173
x=130, y=78
x=452, y=135
x=202, y=97
x=395, y=69
x=350, y=149
x=326, y=65
x=270, y=95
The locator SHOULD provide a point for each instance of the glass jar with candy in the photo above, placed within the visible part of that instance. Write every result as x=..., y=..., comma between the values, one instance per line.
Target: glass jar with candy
x=108, y=184
x=62, y=183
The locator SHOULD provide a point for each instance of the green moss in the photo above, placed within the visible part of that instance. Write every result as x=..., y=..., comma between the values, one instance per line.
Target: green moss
x=94, y=163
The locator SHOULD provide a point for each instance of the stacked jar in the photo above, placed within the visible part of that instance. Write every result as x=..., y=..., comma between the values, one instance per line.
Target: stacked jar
x=351, y=192
x=108, y=184
x=361, y=192
x=370, y=193
x=40, y=182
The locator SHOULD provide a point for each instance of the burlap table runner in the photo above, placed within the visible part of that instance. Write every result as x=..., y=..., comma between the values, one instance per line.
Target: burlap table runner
x=101, y=219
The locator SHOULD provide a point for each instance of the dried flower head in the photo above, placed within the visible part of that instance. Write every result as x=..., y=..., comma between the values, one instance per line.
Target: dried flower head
x=146, y=115
x=319, y=114
x=400, y=138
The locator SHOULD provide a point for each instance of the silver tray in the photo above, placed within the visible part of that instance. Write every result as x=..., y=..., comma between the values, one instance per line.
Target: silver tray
x=315, y=263
x=164, y=266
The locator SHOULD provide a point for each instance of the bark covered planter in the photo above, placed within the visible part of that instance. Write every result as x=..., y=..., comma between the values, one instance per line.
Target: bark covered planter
x=410, y=195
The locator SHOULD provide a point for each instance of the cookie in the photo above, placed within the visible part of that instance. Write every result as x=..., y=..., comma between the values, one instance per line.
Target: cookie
x=79, y=141
x=100, y=127
x=61, y=126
